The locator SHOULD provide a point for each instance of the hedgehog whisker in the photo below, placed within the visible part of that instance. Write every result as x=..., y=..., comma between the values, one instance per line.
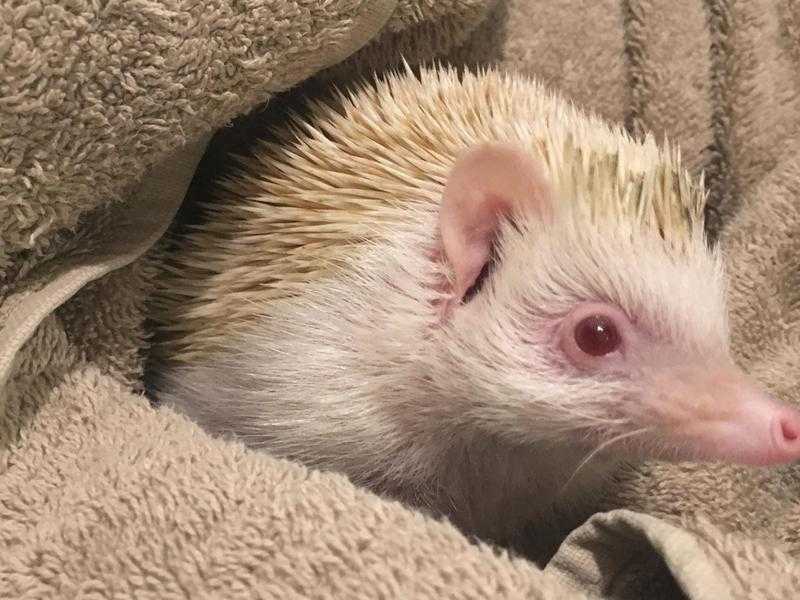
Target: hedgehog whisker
x=593, y=453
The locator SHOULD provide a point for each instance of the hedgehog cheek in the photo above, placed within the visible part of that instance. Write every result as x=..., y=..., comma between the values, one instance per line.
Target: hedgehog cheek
x=486, y=185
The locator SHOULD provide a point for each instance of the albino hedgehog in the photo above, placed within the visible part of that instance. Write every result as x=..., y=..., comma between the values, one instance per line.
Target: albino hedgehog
x=457, y=289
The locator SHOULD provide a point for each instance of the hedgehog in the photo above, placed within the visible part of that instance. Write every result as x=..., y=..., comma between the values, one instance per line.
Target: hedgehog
x=465, y=293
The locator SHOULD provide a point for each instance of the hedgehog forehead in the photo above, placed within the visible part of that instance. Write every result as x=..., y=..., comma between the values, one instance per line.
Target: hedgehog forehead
x=675, y=294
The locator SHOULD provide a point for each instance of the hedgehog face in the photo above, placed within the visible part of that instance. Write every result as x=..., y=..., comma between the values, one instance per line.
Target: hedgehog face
x=595, y=329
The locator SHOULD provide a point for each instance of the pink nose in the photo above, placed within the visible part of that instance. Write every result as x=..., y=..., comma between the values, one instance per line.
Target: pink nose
x=735, y=420
x=778, y=444
x=757, y=430
x=786, y=435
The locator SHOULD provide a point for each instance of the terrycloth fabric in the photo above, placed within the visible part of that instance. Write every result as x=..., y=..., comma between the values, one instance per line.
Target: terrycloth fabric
x=100, y=496
x=94, y=94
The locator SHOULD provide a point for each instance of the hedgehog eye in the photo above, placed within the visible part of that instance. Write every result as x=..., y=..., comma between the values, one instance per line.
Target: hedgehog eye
x=597, y=335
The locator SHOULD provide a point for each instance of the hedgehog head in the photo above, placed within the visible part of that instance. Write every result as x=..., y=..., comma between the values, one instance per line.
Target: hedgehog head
x=583, y=299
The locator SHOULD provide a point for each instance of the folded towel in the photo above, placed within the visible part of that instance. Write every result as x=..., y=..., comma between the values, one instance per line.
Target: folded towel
x=105, y=109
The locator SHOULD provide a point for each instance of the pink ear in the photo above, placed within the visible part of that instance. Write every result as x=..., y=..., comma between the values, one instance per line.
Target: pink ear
x=488, y=183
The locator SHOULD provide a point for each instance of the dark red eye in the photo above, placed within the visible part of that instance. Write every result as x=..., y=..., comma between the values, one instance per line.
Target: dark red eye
x=597, y=335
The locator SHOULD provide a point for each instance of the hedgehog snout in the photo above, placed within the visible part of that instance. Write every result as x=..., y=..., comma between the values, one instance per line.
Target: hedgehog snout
x=722, y=415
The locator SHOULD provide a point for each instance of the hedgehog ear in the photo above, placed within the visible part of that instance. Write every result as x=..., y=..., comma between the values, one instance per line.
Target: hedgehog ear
x=487, y=184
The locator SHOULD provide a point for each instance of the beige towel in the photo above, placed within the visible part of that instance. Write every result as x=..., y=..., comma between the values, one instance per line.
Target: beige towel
x=100, y=496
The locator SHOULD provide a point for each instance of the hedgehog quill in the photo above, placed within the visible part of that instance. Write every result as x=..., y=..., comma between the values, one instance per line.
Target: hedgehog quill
x=465, y=293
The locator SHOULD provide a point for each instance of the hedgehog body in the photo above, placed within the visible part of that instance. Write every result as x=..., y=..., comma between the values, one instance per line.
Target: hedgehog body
x=332, y=310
